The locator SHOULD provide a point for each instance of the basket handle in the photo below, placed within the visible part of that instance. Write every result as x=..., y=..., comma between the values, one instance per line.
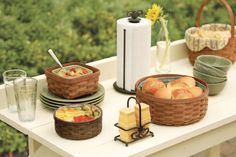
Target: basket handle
x=229, y=10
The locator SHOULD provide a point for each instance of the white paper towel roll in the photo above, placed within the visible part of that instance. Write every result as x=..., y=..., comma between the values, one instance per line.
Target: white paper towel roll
x=133, y=52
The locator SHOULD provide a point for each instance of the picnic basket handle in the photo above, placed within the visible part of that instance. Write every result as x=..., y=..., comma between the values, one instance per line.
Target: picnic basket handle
x=229, y=10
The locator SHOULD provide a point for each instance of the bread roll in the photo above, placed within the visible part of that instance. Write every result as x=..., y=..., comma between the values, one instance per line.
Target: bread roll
x=196, y=91
x=181, y=94
x=151, y=85
x=163, y=92
x=177, y=84
x=188, y=80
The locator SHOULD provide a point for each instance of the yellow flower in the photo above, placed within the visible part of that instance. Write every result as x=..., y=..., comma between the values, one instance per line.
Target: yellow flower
x=154, y=13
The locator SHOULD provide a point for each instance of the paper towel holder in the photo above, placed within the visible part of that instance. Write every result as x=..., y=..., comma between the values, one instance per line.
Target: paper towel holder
x=125, y=78
x=134, y=16
x=122, y=90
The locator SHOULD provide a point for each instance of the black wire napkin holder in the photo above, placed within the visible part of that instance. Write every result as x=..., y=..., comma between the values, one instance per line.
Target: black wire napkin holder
x=141, y=132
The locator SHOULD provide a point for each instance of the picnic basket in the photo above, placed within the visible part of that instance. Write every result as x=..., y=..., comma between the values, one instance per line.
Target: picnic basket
x=174, y=112
x=73, y=88
x=78, y=130
x=213, y=47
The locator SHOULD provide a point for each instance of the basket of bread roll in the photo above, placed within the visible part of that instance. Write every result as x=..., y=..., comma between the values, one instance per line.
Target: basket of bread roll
x=173, y=99
x=73, y=80
x=212, y=39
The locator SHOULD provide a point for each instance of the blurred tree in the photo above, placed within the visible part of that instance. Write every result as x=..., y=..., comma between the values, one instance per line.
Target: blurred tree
x=82, y=30
x=11, y=140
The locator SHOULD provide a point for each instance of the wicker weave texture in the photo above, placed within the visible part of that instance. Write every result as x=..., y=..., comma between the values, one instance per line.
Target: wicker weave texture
x=72, y=88
x=229, y=51
x=78, y=131
x=174, y=112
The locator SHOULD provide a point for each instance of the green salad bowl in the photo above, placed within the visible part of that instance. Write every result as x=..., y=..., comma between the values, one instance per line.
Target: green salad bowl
x=208, y=78
x=210, y=70
x=215, y=61
x=216, y=88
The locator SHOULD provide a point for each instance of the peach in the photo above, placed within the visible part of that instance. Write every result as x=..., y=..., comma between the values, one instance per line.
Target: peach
x=151, y=85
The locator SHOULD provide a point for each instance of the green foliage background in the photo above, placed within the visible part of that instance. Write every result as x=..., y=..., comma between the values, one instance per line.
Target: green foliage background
x=81, y=30
x=11, y=140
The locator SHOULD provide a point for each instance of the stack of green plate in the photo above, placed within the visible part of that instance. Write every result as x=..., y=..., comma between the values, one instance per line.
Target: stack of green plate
x=52, y=101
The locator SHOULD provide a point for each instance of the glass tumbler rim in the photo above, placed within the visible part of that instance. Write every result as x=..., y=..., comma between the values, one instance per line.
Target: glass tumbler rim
x=14, y=70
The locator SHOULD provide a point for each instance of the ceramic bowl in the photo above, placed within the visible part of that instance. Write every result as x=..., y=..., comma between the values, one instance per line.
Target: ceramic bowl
x=208, y=78
x=216, y=88
x=215, y=61
x=210, y=70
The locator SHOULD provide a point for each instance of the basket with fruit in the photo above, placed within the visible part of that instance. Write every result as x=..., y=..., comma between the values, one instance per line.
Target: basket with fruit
x=78, y=122
x=73, y=80
x=173, y=99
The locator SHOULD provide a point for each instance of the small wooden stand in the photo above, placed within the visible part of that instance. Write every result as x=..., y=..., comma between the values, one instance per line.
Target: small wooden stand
x=141, y=132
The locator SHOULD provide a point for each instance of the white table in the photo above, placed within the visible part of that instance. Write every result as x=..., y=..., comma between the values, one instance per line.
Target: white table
x=217, y=126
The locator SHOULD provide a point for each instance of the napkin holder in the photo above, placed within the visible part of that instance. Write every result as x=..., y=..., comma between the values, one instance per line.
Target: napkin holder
x=142, y=130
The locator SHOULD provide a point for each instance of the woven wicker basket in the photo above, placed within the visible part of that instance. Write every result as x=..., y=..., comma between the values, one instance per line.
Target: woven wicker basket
x=73, y=88
x=78, y=130
x=174, y=112
x=229, y=51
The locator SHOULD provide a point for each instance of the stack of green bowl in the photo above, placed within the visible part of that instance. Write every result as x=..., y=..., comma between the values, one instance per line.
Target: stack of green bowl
x=212, y=69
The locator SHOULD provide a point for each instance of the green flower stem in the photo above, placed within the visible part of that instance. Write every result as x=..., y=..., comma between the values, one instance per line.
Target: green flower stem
x=165, y=56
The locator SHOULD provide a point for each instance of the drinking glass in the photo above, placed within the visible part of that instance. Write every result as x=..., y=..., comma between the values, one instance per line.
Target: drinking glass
x=8, y=77
x=25, y=92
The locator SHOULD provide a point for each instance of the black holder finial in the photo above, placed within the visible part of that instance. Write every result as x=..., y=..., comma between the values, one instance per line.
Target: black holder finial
x=134, y=16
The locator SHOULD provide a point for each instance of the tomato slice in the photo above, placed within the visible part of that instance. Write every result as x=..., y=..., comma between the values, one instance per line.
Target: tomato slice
x=73, y=69
x=85, y=71
x=83, y=118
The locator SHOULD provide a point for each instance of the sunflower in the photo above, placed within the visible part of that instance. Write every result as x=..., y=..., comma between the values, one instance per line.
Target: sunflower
x=154, y=13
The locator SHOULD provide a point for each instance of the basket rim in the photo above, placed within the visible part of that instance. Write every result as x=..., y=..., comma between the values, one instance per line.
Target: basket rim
x=77, y=123
x=149, y=96
x=79, y=66
x=48, y=72
x=223, y=42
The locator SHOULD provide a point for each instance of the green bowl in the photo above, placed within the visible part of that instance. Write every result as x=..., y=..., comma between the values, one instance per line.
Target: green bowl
x=215, y=61
x=216, y=88
x=210, y=70
x=208, y=78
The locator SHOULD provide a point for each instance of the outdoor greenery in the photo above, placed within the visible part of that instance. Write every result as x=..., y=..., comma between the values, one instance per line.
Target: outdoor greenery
x=11, y=140
x=83, y=30
x=80, y=30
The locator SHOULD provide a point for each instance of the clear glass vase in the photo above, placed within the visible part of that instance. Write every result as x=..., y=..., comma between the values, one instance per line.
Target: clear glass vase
x=163, y=50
